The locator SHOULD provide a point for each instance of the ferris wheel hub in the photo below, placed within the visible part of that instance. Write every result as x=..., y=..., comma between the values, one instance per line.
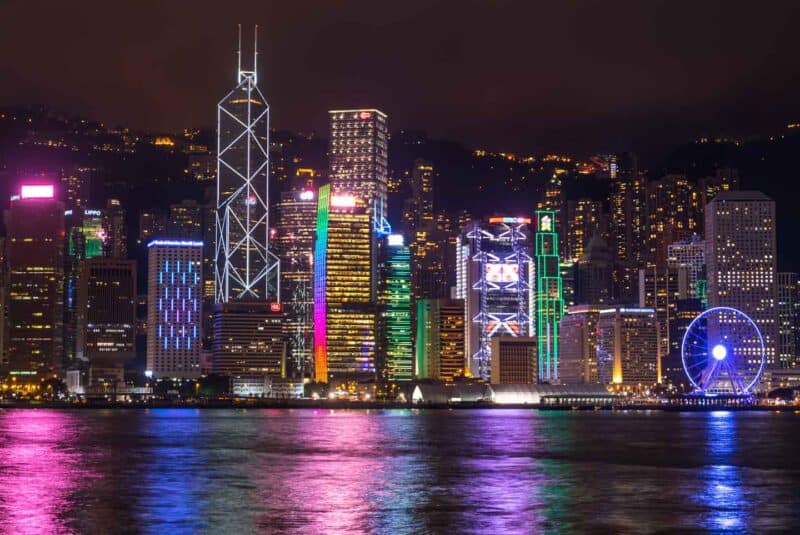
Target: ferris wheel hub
x=719, y=352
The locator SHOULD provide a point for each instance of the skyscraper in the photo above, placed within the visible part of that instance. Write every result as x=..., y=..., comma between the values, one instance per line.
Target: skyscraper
x=358, y=157
x=741, y=262
x=577, y=358
x=106, y=316
x=495, y=280
x=788, y=308
x=514, y=360
x=628, y=211
x=174, y=308
x=584, y=220
x=661, y=289
x=672, y=210
x=395, y=299
x=116, y=242
x=549, y=296
x=344, y=289
x=627, y=347
x=246, y=268
x=690, y=253
x=440, y=344
x=185, y=220
x=294, y=242
x=249, y=340
x=35, y=255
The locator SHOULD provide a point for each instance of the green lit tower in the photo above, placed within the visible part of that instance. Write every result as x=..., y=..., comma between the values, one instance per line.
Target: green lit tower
x=549, y=296
x=396, y=297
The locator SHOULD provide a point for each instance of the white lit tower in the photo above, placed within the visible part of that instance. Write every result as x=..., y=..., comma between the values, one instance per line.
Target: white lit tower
x=246, y=269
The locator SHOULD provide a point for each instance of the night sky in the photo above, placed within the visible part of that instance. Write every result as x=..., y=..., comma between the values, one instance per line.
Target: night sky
x=523, y=76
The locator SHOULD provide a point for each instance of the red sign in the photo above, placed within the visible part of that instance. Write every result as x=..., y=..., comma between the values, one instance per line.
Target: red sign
x=274, y=307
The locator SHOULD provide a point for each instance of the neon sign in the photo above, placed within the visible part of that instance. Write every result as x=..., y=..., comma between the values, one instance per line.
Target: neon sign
x=37, y=191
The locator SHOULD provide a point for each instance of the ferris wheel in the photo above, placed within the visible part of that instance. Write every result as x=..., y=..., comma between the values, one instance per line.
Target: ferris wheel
x=723, y=352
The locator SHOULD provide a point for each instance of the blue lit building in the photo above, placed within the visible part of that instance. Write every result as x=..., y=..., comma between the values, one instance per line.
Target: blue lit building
x=174, y=302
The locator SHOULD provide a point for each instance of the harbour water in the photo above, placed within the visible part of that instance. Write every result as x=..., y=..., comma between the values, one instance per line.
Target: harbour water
x=397, y=471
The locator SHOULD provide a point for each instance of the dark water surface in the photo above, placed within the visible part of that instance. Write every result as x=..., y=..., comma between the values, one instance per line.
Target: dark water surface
x=397, y=471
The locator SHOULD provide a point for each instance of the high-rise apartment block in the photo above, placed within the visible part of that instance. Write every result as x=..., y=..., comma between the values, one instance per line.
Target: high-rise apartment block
x=440, y=343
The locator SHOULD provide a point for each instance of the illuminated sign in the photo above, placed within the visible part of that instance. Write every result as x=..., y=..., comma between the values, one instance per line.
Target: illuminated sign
x=546, y=224
x=502, y=273
x=175, y=243
x=364, y=115
x=395, y=240
x=512, y=220
x=95, y=213
x=343, y=201
x=274, y=307
x=37, y=191
x=307, y=195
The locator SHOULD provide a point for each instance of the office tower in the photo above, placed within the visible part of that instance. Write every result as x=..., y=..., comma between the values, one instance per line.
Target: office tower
x=577, y=358
x=741, y=263
x=594, y=274
x=788, y=305
x=554, y=200
x=358, y=158
x=152, y=224
x=628, y=211
x=418, y=212
x=690, y=254
x=106, y=314
x=673, y=206
x=495, y=280
x=35, y=256
x=246, y=268
x=584, y=220
x=185, y=220
x=249, y=339
x=627, y=347
x=294, y=243
x=86, y=239
x=440, y=344
x=686, y=310
x=568, y=272
x=549, y=296
x=514, y=360
x=344, y=289
x=660, y=289
x=116, y=243
x=76, y=183
x=174, y=308
x=396, y=354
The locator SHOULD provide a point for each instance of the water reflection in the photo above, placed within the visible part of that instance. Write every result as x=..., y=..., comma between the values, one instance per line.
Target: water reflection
x=40, y=472
x=405, y=471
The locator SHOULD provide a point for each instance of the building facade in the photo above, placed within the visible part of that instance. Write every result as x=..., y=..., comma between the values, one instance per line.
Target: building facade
x=578, y=351
x=249, y=339
x=174, y=308
x=440, y=342
x=514, y=360
x=627, y=347
x=741, y=263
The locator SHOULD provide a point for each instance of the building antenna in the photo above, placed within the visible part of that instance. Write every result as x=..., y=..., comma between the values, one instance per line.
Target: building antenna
x=255, y=52
x=239, y=53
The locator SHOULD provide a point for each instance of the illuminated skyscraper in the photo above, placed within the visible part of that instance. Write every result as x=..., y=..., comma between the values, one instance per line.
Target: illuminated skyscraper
x=440, y=345
x=358, y=156
x=628, y=211
x=690, y=253
x=249, y=339
x=627, y=347
x=549, y=296
x=584, y=220
x=35, y=256
x=174, y=308
x=116, y=242
x=294, y=242
x=788, y=308
x=246, y=268
x=185, y=220
x=672, y=210
x=661, y=289
x=344, y=289
x=741, y=262
x=495, y=279
x=395, y=298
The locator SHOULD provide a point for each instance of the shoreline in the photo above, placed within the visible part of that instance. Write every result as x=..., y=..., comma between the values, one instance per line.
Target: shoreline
x=366, y=405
